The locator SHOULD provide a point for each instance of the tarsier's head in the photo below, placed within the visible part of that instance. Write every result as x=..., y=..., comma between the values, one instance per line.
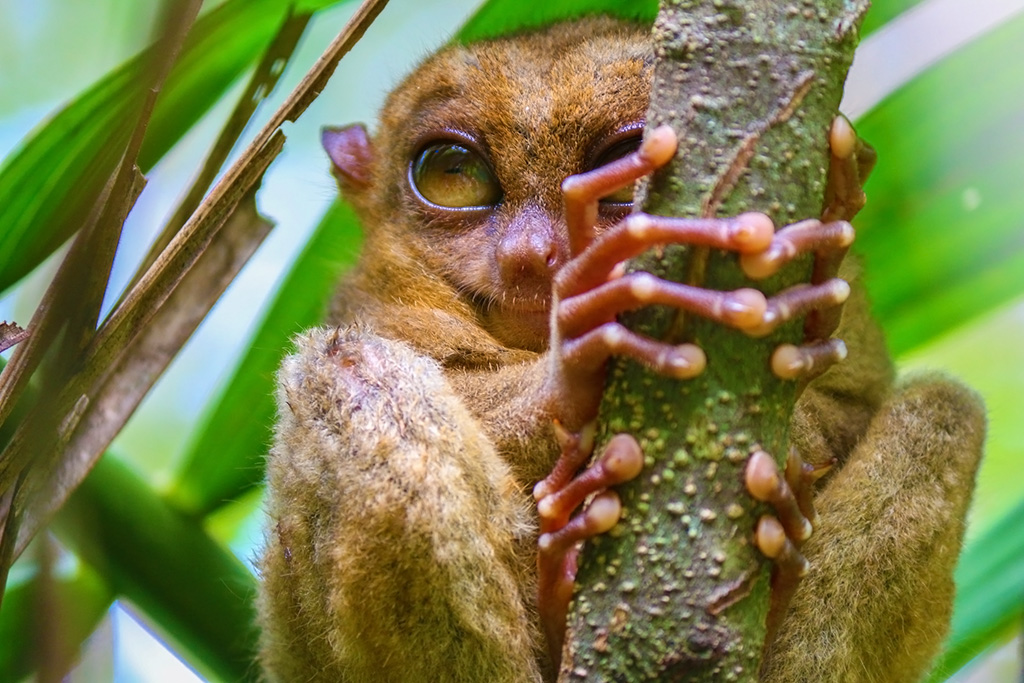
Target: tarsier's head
x=466, y=167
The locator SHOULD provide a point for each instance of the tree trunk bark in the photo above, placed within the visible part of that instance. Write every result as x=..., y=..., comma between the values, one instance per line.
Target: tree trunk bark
x=677, y=591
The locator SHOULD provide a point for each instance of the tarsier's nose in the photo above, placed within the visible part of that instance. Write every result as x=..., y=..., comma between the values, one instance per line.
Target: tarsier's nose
x=529, y=249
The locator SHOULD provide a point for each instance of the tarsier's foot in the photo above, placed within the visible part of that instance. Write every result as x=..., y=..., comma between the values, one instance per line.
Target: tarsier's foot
x=781, y=536
x=558, y=497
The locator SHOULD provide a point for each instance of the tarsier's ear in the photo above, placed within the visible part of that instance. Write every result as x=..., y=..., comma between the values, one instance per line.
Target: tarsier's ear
x=351, y=154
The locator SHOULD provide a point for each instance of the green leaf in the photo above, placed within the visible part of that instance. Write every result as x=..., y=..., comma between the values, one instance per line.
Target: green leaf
x=499, y=17
x=884, y=11
x=48, y=186
x=167, y=565
x=943, y=231
x=990, y=583
x=226, y=459
x=67, y=610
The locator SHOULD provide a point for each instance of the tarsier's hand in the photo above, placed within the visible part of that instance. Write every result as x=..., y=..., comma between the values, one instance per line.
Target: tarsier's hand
x=592, y=289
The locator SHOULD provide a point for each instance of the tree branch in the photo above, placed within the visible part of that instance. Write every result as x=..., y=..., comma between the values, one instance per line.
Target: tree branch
x=677, y=591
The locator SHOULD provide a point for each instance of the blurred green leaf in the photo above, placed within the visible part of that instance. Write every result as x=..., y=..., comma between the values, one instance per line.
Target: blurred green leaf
x=884, y=11
x=163, y=562
x=499, y=17
x=943, y=231
x=82, y=597
x=990, y=593
x=226, y=459
x=47, y=187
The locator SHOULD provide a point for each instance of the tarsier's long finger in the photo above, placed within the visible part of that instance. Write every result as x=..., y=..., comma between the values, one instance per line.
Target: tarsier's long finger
x=822, y=322
x=590, y=351
x=790, y=567
x=575, y=450
x=772, y=541
x=765, y=483
x=744, y=309
x=798, y=301
x=850, y=164
x=621, y=461
x=557, y=547
x=801, y=476
x=807, y=361
x=746, y=233
x=582, y=192
x=828, y=241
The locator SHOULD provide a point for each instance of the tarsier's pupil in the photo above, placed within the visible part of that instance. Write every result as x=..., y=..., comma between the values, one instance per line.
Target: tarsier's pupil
x=454, y=176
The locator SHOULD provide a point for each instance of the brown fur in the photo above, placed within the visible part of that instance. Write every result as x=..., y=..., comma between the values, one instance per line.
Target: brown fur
x=400, y=545
x=379, y=549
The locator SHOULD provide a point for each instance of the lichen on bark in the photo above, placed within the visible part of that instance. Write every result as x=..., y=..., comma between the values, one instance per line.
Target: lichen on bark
x=677, y=591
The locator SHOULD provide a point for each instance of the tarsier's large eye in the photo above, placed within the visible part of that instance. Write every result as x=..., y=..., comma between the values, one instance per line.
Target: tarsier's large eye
x=454, y=176
x=618, y=150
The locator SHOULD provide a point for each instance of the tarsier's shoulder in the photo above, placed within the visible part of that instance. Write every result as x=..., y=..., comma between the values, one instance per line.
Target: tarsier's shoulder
x=349, y=380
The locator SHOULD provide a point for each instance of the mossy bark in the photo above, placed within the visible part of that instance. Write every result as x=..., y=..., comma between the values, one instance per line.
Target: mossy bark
x=677, y=591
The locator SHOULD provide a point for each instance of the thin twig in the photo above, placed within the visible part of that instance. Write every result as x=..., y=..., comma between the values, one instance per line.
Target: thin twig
x=99, y=247
x=90, y=407
x=155, y=286
x=11, y=334
x=262, y=83
x=113, y=399
x=85, y=268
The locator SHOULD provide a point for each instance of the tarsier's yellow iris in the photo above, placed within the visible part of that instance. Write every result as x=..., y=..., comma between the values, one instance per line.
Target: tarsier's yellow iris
x=451, y=175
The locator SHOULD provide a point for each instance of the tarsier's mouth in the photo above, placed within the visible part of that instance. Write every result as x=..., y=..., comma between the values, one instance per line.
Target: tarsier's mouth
x=512, y=305
x=528, y=308
x=519, y=321
x=522, y=308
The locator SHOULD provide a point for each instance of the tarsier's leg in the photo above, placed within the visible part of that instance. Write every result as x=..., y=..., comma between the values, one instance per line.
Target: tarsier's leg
x=851, y=163
x=398, y=539
x=876, y=605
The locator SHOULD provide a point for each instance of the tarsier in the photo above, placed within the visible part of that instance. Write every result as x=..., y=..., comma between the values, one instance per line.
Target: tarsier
x=402, y=542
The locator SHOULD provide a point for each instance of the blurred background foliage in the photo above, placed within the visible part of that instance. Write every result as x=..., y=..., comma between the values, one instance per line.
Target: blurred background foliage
x=164, y=531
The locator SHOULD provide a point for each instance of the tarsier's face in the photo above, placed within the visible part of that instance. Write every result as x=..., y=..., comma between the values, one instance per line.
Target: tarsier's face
x=484, y=139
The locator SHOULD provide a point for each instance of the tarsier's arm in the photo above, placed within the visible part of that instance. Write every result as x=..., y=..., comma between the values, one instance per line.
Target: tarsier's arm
x=396, y=547
x=400, y=546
